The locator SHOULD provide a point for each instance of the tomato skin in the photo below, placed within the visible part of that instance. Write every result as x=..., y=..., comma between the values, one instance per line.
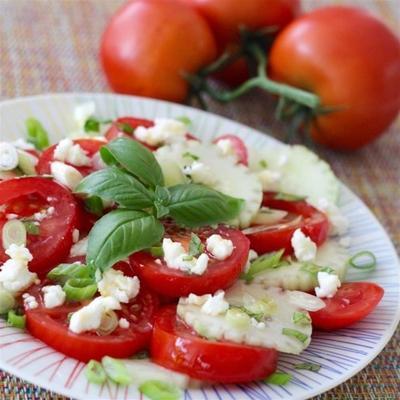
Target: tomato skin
x=90, y=146
x=50, y=326
x=313, y=223
x=177, y=347
x=179, y=39
x=239, y=147
x=27, y=195
x=361, y=78
x=175, y=283
x=352, y=302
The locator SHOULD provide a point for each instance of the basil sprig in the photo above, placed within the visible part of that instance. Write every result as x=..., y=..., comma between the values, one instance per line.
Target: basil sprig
x=134, y=181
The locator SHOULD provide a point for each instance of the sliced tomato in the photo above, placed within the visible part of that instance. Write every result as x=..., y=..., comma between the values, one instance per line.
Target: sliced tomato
x=29, y=195
x=238, y=146
x=176, y=346
x=125, y=126
x=50, y=325
x=351, y=303
x=175, y=283
x=301, y=215
x=90, y=146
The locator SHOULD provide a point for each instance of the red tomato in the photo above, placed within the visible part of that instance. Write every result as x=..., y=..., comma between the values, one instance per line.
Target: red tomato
x=351, y=61
x=149, y=45
x=174, y=282
x=352, y=302
x=125, y=126
x=26, y=196
x=90, y=146
x=176, y=346
x=313, y=223
x=238, y=146
x=50, y=325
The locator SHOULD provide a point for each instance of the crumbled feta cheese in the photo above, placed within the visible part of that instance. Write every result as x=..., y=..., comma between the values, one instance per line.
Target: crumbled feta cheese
x=65, y=174
x=8, y=157
x=89, y=317
x=123, y=323
x=201, y=265
x=164, y=131
x=114, y=283
x=269, y=179
x=200, y=173
x=328, y=284
x=54, y=296
x=196, y=300
x=79, y=248
x=67, y=151
x=75, y=235
x=30, y=301
x=23, y=144
x=219, y=247
x=304, y=248
x=215, y=305
x=19, y=253
x=11, y=216
x=226, y=147
x=339, y=224
x=41, y=215
x=256, y=324
x=252, y=256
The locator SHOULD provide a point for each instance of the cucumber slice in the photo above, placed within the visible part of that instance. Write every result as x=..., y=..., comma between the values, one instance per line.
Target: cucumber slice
x=228, y=177
x=293, y=277
x=27, y=162
x=173, y=174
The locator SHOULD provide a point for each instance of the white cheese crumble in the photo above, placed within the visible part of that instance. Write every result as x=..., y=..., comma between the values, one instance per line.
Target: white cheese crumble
x=75, y=235
x=67, y=151
x=79, y=248
x=339, y=224
x=115, y=284
x=89, y=317
x=304, y=248
x=164, y=131
x=219, y=247
x=54, y=296
x=11, y=216
x=226, y=147
x=30, y=301
x=23, y=144
x=41, y=215
x=123, y=323
x=200, y=173
x=65, y=174
x=215, y=305
x=328, y=284
x=269, y=179
x=8, y=157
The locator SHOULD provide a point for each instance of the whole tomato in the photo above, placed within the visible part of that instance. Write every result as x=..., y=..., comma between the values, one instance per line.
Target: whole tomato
x=149, y=45
x=352, y=62
x=227, y=16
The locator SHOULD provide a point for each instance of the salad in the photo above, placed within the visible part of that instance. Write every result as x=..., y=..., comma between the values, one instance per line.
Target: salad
x=164, y=261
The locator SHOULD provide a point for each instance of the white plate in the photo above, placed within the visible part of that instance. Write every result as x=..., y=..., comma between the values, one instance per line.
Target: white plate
x=341, y=354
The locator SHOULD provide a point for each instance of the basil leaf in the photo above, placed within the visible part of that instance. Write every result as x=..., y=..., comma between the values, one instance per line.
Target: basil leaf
x=115, y=185
x=124, y=127
x=135, y=158
x=161, y=201
x=92, y=125
x=94, y=205
x=195, y=245
x=37, y=135
x=119, y=234
x=64, y=272
x=195, y=205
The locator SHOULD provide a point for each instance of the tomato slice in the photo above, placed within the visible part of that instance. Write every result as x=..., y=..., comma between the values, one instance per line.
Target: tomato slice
x=312, y=222
x=238, y=146
x=176, y=346
x=124, y=127
x=175, y=283
x=351, y=303
x=90, y=146
x=26, y=196
x=51, y=327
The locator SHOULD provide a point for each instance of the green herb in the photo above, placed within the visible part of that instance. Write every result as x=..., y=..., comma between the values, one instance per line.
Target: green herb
x=156, y=251
x=119, y=234
x=308, y=366
x=262, y=263
x=124, y=127
x=159, y=390
x=112, y=184
x=300, y=318
x=187, y=154
x=263, y=164
x=187, y=258
x=196, y=247
x=92, y=125
x=364, y=260
x=37, y=135
x=288, y=197
x=63, y=272
x=302, y=337
x=278, y=378
x=162, y=199
x=15, y=320
x=116, y=370
x=134, y=158
x=80, y=289
x=31, y=227
x=186, y=120
x=95, y=373
x=94, y=205
x=313, y=269
x=260, y=309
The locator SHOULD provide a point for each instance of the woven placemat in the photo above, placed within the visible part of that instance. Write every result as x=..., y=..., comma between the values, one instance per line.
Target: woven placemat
x=52, y=45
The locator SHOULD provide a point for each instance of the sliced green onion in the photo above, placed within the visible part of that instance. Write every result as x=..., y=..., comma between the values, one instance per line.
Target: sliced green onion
x=238, y=318
x=14, y=232
x=15, y=320
x=94, y=205
x=302, y=337
x=187, y=258
x=260, y=309
x=313, y=269
x=63, y=272
x=262, y=263
x=124, y=127
x=92, y=125
x=159, y=390
x=288, y=197
x=195, y=245
x=278, y=378
x=7, y=301
x=116, y=370
x=364, y=260
x=156, y=251
x=187, y=154
x=109, y=323
x=185, y=120
x=95, y=373
x=32, y=228
x=37, y=135
x=80, y=289
x=263, y=164
x=308, y=366
x=300, y=318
